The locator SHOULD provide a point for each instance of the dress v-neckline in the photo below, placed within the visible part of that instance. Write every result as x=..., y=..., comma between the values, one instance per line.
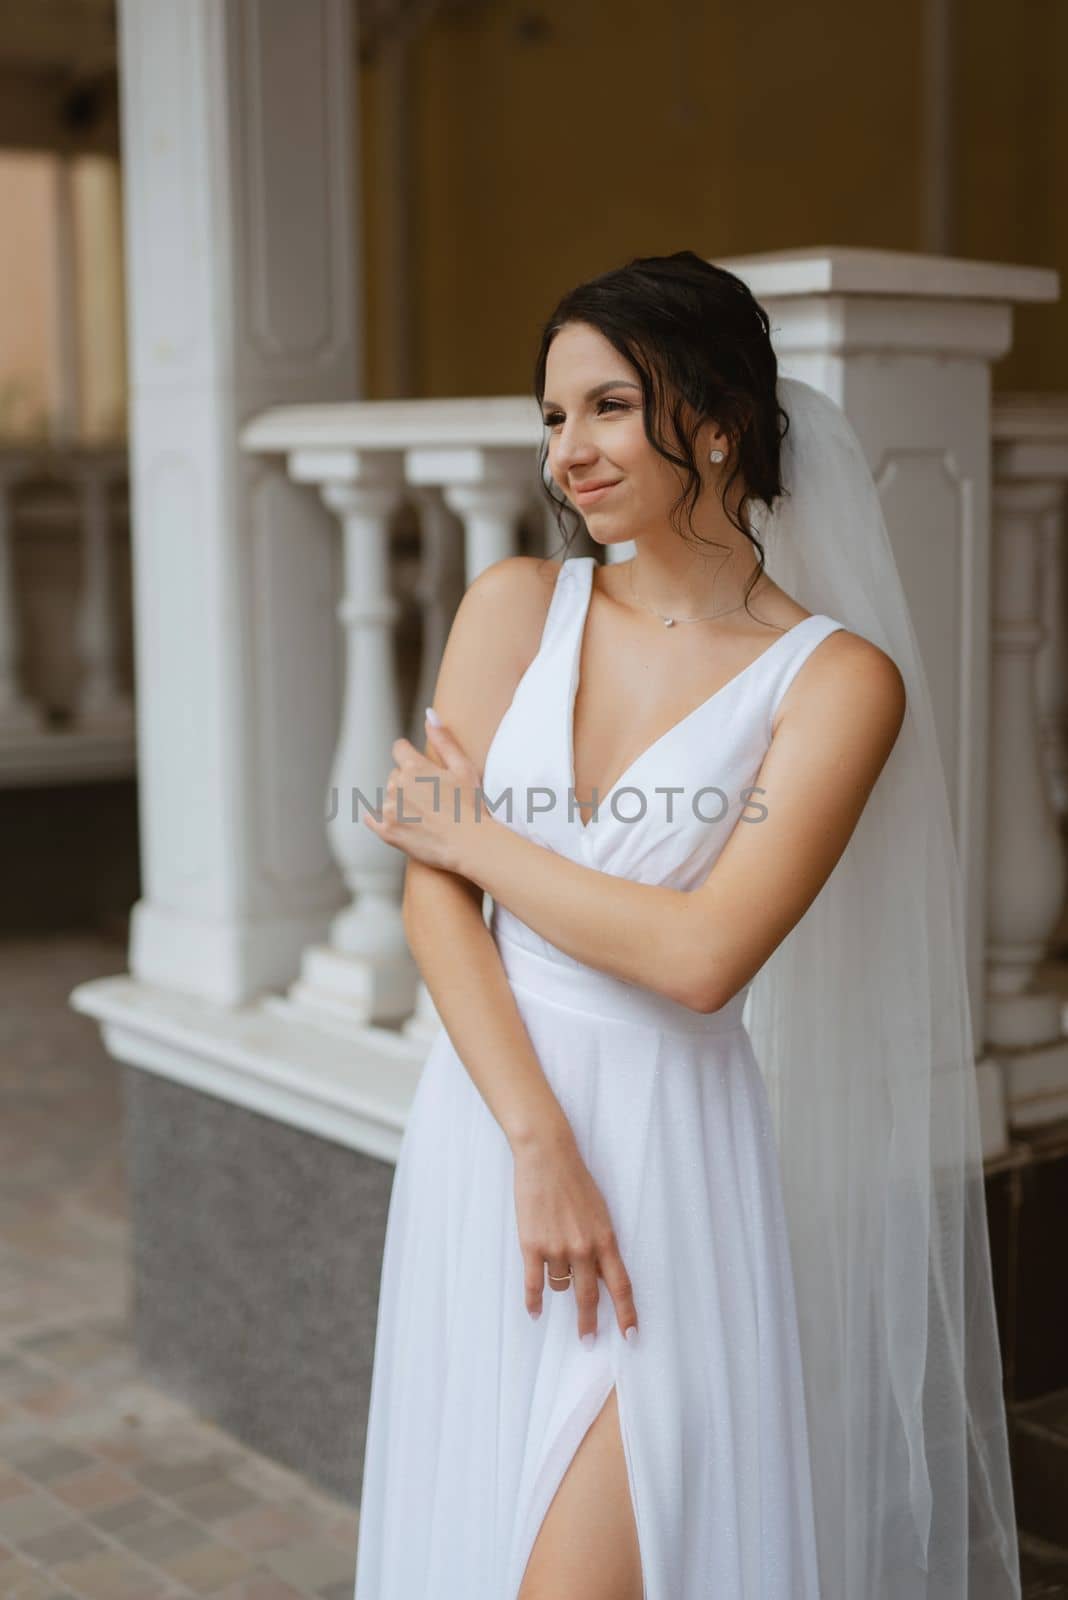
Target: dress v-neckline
x=688, y=716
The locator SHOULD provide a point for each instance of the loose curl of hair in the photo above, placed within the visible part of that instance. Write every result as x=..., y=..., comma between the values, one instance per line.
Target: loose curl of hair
x=698, y=339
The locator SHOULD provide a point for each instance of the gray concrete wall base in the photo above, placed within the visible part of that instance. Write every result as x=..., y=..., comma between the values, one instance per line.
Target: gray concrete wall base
x=257, y=1252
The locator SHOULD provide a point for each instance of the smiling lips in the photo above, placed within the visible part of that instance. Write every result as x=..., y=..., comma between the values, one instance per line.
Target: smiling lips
x=590, y=491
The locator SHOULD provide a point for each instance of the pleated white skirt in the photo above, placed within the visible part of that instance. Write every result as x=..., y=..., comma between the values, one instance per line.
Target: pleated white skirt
x=476, y=1409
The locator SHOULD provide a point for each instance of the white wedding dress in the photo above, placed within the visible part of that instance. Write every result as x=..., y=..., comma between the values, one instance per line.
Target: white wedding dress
x=476, y=1409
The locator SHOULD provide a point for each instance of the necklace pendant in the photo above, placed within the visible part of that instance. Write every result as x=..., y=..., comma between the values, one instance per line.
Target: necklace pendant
x=669, y=622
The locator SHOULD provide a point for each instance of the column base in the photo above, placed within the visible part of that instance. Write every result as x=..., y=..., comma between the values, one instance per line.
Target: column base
x=227, y=962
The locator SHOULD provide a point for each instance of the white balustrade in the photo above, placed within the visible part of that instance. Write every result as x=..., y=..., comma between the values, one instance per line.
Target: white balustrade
x=451, y=462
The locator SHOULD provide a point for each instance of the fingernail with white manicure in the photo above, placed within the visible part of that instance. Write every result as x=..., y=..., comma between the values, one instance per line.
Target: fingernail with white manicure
x=631, y=1335
x=432, y=717
x=589, y=1340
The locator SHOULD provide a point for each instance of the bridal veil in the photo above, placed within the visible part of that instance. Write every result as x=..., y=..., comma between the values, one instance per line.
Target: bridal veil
x=861, y=1023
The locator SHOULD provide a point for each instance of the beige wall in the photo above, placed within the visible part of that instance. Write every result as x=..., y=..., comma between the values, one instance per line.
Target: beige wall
x=1013, y=133
x=26, y=323
x=552, y=141
x=632, y=130
x=31, y=375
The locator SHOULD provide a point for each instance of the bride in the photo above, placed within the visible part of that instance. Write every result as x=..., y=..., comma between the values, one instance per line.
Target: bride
x=714, y=1080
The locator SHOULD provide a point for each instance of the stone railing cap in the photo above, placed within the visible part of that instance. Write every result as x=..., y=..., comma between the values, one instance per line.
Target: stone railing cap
x=502, y=421
x=846, y=270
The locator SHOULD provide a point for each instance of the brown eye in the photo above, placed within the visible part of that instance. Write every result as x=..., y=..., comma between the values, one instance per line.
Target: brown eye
x=554, y=418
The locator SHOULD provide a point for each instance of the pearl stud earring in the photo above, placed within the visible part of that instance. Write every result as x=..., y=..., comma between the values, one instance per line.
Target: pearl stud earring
x=715, y=455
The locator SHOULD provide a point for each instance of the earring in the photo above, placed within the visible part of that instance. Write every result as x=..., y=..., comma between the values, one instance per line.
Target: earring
x=715, y=455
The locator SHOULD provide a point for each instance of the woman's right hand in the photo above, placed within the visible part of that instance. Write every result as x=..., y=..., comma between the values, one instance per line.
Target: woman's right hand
x=564, y=1223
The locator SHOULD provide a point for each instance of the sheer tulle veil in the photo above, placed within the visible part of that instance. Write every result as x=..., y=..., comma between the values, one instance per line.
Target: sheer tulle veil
x=861, y=1024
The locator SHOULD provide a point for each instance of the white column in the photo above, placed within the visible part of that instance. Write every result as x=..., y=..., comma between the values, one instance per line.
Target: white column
x=905, y=344
x=100, y=699
x=364, y=972
x=238, y=138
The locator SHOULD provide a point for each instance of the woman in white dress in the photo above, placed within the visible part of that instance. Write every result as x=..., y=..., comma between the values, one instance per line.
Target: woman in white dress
x=765, y=1366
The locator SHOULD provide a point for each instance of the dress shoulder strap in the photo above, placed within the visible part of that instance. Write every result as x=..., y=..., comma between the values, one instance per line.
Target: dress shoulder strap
x=568, y=597
x=805, y=637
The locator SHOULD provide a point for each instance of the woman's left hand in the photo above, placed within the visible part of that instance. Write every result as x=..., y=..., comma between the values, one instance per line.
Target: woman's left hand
x=431, y=809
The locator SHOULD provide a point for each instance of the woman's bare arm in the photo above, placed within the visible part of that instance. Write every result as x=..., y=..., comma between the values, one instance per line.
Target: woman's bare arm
x=494, y=636
x=701, y=947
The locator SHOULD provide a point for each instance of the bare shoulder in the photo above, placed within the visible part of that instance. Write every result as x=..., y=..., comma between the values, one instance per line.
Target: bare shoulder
x=850, y=683
x=505, y=609
x=494, y=636
x=523, y=583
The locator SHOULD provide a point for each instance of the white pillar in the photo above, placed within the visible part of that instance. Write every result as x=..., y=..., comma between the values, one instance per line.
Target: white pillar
x=905, y=344
x=240, y=200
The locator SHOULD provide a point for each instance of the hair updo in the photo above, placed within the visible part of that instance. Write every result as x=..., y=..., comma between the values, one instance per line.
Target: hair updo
x=698, y=339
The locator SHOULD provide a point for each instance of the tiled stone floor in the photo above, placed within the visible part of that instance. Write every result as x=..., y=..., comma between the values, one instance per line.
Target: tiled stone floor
x=109, y=1489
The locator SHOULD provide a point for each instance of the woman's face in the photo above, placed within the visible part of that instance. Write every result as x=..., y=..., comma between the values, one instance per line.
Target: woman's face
x=593, y=416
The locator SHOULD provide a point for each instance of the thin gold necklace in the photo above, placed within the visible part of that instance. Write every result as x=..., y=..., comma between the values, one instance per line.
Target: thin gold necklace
x=669, y=622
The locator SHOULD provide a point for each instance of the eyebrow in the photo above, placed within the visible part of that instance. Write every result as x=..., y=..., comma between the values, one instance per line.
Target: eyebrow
x=601, y=388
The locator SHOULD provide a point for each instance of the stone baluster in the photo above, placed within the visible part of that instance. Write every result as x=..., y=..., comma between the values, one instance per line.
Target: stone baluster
x=1027, y=868
x=1053, y=656
x=488, y=487
x=439, y=589
x=489, y=492
x=100, y=698
x=1031, y=435
x=17, y=714
x=364, y=973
